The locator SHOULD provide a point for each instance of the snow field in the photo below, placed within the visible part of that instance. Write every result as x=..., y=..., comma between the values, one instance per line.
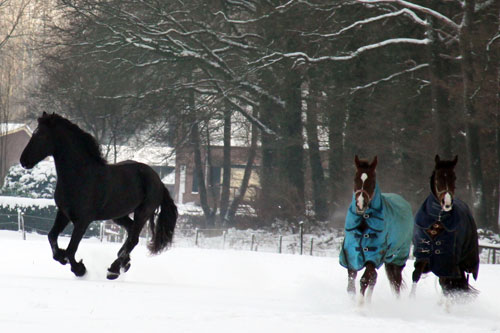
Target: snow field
x=198, y=290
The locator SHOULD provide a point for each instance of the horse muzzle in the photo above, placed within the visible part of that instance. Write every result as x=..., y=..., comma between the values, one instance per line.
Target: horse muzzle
x=447, y=202
x=27, y=165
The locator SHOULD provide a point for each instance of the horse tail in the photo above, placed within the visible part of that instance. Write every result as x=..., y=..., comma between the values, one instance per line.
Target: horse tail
x=163, y=230
x=459, y=285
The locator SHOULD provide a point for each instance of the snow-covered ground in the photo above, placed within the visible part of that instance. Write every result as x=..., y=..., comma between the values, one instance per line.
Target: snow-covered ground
x=201, y=290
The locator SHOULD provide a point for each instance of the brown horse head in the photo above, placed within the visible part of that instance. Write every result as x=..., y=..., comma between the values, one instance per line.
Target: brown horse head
x=364, y=183
x=443, y=181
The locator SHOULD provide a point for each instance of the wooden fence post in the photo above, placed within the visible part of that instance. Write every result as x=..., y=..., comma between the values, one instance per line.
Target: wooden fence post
x=196, y=237
x=280, y=243
x=253, y=241
x=22, y=226
x=312, y=241
x=301, y=228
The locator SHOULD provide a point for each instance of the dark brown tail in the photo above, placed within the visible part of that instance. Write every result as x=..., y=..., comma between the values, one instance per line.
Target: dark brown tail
x=163, y=230
x=457, y=286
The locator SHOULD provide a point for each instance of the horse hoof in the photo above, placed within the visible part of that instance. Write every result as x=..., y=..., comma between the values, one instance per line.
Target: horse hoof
x=79, y=269
x=126, y=267
x=112, y=275
x=60, y=256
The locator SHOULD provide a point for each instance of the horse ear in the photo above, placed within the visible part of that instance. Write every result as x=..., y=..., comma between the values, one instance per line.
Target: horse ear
x=356, y=160
x=373, y=165
x=455, y=160
x=437, y=159
x=44, y=114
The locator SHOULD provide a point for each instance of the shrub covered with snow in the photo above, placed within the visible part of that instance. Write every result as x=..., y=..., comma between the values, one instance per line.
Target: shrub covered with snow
x=39, y=182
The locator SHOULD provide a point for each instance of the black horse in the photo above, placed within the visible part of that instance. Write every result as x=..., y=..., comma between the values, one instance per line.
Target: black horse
x=445, y=235
x=89, y=189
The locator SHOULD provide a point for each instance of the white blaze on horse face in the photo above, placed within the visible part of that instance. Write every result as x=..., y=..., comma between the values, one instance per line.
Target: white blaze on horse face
x=361, y=199
x=364, y=177
x=447, y=202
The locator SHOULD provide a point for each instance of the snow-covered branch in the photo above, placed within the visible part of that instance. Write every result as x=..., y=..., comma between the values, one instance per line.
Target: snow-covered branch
x=356, y=24
x=352, y=55
x=388, y=78
x=418, y=8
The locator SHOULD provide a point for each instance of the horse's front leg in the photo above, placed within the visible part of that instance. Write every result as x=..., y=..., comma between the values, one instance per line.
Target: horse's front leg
x=79, y=230
x=417, y=273
x=351, y=279
x=368, y=281
x=59, y=224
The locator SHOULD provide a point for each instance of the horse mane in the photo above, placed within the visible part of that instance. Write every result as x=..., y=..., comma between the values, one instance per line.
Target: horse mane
x=88, y=142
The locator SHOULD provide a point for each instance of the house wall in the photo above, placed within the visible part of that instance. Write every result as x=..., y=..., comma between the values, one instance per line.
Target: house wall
x=11, y=147
x=185, y=170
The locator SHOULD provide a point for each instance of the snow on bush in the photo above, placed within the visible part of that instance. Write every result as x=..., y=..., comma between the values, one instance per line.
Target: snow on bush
x=39, y=182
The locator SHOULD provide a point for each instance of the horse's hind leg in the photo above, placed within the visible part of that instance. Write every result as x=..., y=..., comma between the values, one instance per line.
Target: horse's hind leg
x=394, y=274
x=133, y=228
x=368, y=281
x=351, y=279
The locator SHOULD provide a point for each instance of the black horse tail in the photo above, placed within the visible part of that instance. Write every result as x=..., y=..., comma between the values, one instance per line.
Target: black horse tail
x=163, y=230
x=458, y=286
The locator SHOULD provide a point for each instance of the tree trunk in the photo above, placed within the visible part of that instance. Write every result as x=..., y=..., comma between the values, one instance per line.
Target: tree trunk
x=226, y=166
x=337, y=119
x=439, y=94
x=472, y=129
x=319, y=195
x=213, y=191
x=246, y=178
x=267, y=203
x=291, y=162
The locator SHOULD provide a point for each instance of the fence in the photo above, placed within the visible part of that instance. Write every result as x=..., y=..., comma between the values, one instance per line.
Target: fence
x=492, y=251
x=301, y=243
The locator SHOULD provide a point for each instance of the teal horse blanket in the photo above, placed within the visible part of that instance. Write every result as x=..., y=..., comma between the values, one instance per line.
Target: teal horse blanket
x=383, y=234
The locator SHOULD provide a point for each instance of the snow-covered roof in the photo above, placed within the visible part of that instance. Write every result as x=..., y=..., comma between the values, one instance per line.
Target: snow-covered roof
x=8, y=128
x=151, y=155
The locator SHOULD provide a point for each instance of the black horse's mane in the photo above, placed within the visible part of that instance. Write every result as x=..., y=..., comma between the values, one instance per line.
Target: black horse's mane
x=88, y=142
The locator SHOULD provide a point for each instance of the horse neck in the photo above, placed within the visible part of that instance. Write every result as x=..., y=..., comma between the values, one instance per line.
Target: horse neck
x=71, y=159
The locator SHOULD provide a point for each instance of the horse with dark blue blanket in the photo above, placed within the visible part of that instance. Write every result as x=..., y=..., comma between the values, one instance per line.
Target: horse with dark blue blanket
x=445, y=236
x=378, y=230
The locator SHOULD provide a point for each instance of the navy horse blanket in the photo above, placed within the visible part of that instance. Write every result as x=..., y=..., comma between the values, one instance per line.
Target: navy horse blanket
x=455, y=249
x=382, y=234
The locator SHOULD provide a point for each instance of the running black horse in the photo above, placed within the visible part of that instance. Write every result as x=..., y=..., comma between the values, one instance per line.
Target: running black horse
x=89, y=189
x=445, y=235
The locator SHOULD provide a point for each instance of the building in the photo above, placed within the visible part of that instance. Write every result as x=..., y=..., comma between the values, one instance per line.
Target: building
x=13, y=139
x=161, y=159
x=186, y=184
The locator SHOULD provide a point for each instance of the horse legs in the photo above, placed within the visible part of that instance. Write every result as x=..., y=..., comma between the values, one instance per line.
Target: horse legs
x=395, y=277
x=79, y=230
x=351, y=279
x=133, y=228
x=368, y=281
x=417, y=273
x=59, y=224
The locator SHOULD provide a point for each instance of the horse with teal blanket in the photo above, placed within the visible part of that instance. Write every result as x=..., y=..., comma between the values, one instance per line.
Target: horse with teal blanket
x=378, y=230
